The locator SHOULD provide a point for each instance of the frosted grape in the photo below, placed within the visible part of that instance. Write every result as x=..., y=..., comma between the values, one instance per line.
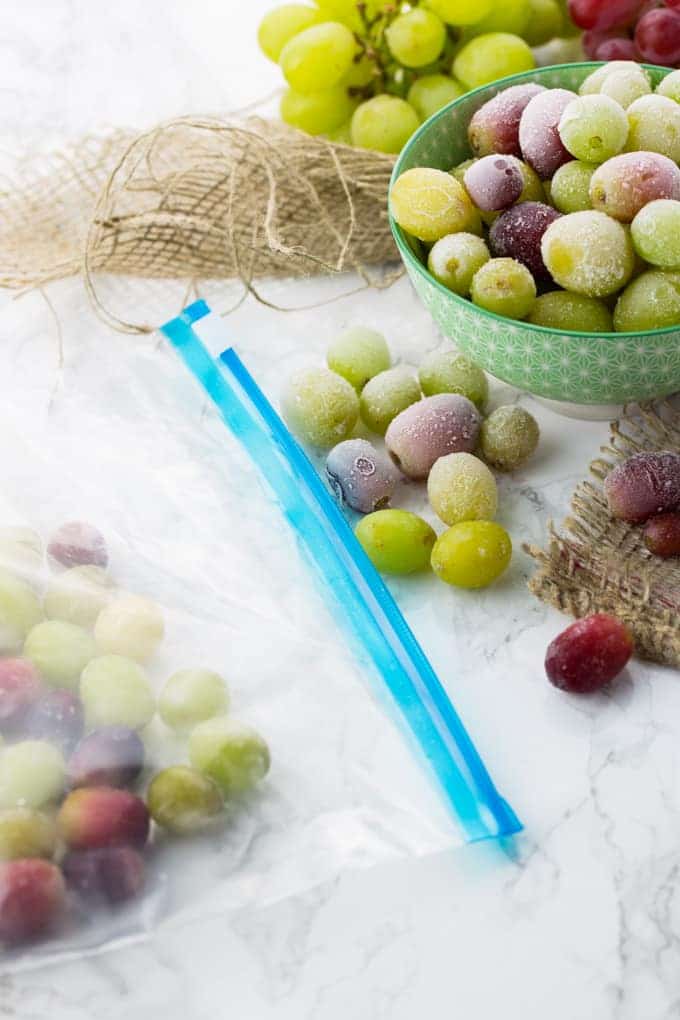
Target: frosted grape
x=317, y=112
x=504, y=287
x=651, y=301
x=494, y=128
x=508, y=437
x=570, y=186
x=59, y=651
x=494, y=182
x=116, y=692
x=626, y=183
x=318, y=57
x=396, y=541
x=281, y=24
x=77, y=544
x=662, y=535
x=100, y=816
x=430, y=93
x=588, y=253
x=654, y=123
x=130, y=625
x=670, y=86
x=656, y=233
x=491, y=56
x=32, y=774
x=461, y=488
x=25, y=832
x=319, y=406
x=20, y=688
x=416, y=37
x=518, y=232
x=588, y=654
x=230, y=753
x=360, y=476
x=110, y=756
x=386, y=395
x=192, y=695
x=20, y=610
x=435, y=426
x=430, y=203
x=472, y=554
x=358, y=354
x=183, y=800
x=539, y=137
x=57, y=716
x=593, y=128
x=32, y=899
x=626, y=84
x=558, y=309
x=383, y=123
x=447, y=371
x=594, y=82
x=644, y=485
x=453, y=260
x=78, y=595
x=109, y=875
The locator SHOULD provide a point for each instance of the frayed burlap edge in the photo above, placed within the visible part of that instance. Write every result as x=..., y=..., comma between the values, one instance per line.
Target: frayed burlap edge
x=598, y=564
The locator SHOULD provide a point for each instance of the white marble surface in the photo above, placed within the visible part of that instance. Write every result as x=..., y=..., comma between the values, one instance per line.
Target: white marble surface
x=587, y=925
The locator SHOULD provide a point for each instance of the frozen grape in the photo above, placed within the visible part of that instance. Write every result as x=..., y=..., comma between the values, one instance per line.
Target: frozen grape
x=183, y=800
x=320, y=406
x=670, y=86
x=472, y=554
x=59, y=651
x=98, y=816
x=430, y=93
x=558, y=309
x=110, y=874
x=57, y=716
x=20, y=610
x=318, y=57
x=662, y=535
x=230, y=753
x=539, y=137
x=431, y=428
x=358, y=354
x=32, y=899
x=78, y=595
x=416, y=37
x=317, y=112
x=570, y=186
x=396, y=541
x=504, y=287
x=385, y=396
x=518, y=232
x=430, y=203
x=491, y=56
x=77, y=544
x=588, y=654
x=594, y=82
x=651, y=301
x=626, y=183
x=453, y=260
x=192, y=695
x=494, y=182
x=281, y=24
x=116, y=692
x=643, y=485
x=656, y=233
x=626, y=84
x=588, y=253
x=384, y=123
x=32, y=774
x=131, y=626
x=26, y=833
x=360, y=476
x=447, y=371
x=110, y=756
x=508, y=437
x=494, y=128
x=20, y=687
x=655, y=126
x=593, y=128
x=461, y=488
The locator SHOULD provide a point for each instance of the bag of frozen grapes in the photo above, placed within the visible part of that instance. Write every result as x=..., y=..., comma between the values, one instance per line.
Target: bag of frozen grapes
x=183, y=724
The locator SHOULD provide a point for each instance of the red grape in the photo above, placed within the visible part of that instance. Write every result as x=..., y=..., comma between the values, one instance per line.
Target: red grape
x=657, y=37
x=603, y=14
x=31, y=898
x=673, y=4
x=97, y=816
x=494, y=182
x=494, y=128
x=662, y=535
x=76, y=544
x=113, y=873
x=588, y=654
x=20, y=687
x=620, y=48
x=593, y=39
x=644, y=485
x=517, y=234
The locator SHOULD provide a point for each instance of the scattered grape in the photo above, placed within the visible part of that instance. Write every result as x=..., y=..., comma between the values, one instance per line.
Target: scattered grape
x=593, y=128
x=115, y=692
x=539, y=137
x=99, y=816
x=183, y=800
x=396, y=541
x=19, y=611
x=430, y=203
x=472, y=554
x=192, y=695
x=570, y=187
x=20, y=687
x=384, y=123
x=320, y=406
x=454, y=260
x=494, y=182
x=416, y=37
x=385, y=396
x=32, y=899
x=643, y=485
x=447, y=371
x=26, y=833
x=655, y=126
x=317, y=113
x=661, y=536
x=491, y=56
x=504, y=287
x=358, y=354
x=57, y=716
x=111, y=756
x=360, y=476
x=656, y=233
x=518, y=232
x=230, y=753
x=670, y=86
x=626, y=183
x=78, y=595
x=651, y=301
x=59, y=651
x=281, y=24
x=429, y=429
x=588, y=654
x=318, y=57
x=508, y=437
x=494, y=128
x=32, y=774
x=111, y=874
x=558, y=309
x=430, y=93
x=588, y=253
x=461, y=488
x=77, y=544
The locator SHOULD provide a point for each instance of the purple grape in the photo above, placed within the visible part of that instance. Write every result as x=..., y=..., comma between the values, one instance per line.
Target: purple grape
x=431, y=428
x=56, y=716
x=539, y=139
x=494, y=182
x=111, y=756
x=495, y=126
x=517, y=234
x=361, y=476
x=644, y=485
x=111, y=874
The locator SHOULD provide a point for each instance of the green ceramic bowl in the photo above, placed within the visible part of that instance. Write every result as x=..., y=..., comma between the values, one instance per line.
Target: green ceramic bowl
x=574, y=368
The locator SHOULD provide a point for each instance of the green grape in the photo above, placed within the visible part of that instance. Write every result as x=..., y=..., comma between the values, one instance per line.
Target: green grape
x=545, y=22
x=626, y=84
x=384, y=123
x=508, y=437
x=341, y=135
x=230, y=753
x=506, y=16
x=115, y=691
x=78, y=595
x=588, y=253
x=454, y=260
x=19, y=611
x=281, y=24
x=131, y=626
x=533, y=190
x=461, y=488
x=416, y=38
x=461, y=12
x=594, y=82
x=358, y=354
x=25, y=832
x=652, y=301
x=32, y=774
x=317, y=113
x=558, y=309
x=594, y=128
x=430, y=93
x=570, y=186
x=656, y=233
x=318, y=58
x=320, y=406
x=472, y=554
x=345, y=11
x=488, y=57
x=385, y=396
x=361, y=73
x=670, y=87
x=430, y=204
x=448, y=371
x=505, y=287
x=183, y=800
x=192, y=695
x=396, y=541
x=60, y=651
x=654, y=126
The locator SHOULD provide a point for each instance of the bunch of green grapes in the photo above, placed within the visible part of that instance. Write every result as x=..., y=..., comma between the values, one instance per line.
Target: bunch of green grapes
x=368, y=72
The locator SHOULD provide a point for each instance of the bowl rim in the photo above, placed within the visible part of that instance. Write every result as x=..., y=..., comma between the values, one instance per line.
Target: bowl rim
x=410, y=259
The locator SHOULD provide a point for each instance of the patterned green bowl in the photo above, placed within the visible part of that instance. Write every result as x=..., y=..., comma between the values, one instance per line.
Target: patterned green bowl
x=572, y=368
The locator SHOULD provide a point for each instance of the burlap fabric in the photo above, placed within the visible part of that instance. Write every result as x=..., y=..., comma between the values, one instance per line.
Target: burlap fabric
x=598, y=564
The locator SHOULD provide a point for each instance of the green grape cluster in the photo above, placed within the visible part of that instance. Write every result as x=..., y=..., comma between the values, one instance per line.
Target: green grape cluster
x=368, y=72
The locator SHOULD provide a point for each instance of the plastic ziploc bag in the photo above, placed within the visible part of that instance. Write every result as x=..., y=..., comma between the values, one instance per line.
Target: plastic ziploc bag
x=170, y=653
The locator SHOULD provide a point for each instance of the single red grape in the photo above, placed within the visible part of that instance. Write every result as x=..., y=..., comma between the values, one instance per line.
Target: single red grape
x=593, y=39
x=657, y=37
x=112, y=874
x=603, y=14
x=588, y=654
x=32, y=896
x=662, y=535
x=620, y=48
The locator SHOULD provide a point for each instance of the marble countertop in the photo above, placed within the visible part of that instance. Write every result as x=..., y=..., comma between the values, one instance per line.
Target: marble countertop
x=586, y=924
